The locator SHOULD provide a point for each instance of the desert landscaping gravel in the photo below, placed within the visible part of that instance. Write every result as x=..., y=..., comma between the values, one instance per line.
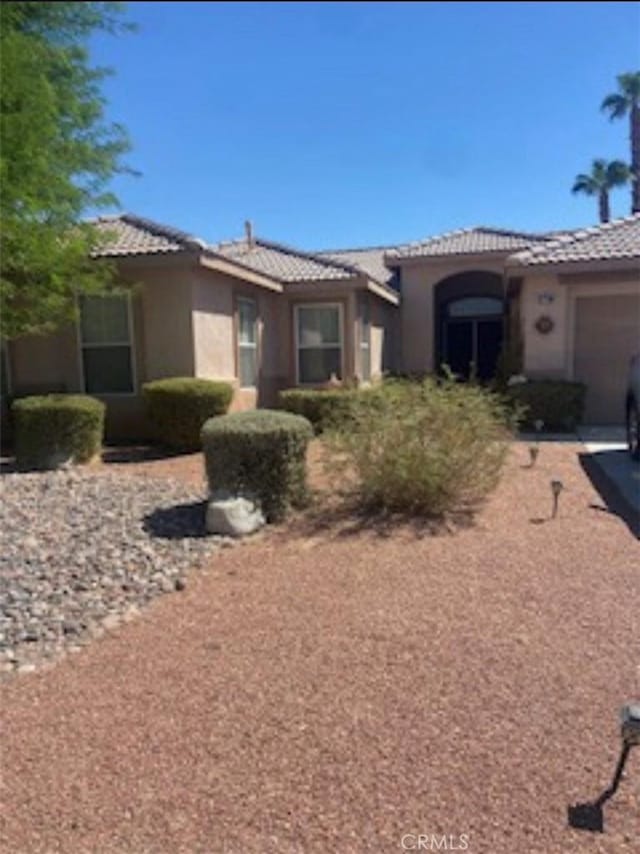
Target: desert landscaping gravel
x=340, y=685
x=82, y=550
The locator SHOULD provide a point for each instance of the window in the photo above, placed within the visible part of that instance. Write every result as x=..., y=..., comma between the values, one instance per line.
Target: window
x=475, y=307
x=105, y=344
x=319, y=343
x=365, y=337
x=247, y=343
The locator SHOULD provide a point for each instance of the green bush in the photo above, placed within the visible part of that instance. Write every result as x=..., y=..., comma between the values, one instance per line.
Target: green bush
x=56, y=428
x=261, y=455
x=177, y=407
x=430, y=447
x=324, y=408
x=559, y=404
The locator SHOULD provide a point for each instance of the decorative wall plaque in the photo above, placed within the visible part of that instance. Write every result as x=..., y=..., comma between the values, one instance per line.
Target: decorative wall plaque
x=544, y=324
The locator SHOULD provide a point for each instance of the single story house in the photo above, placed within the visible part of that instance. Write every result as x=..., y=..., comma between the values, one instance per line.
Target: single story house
x=265, y=316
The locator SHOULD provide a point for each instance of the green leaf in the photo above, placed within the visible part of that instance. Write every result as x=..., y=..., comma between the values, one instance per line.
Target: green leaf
x=57, y=157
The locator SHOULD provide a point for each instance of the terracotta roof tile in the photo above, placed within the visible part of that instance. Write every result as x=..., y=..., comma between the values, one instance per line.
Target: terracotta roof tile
x=466, y=241
x=618, y=239
x=283, y=262
x=369, y=260
x=134, y=235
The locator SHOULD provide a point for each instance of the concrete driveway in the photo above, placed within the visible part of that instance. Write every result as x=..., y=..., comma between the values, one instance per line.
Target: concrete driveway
x=613, y=472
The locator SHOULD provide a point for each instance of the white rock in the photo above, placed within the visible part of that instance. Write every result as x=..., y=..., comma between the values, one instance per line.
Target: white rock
x=233, y=517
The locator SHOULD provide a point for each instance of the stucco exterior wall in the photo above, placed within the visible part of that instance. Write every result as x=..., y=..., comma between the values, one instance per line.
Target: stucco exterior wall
x=545, y=356
x=161, y=346
x=42, y=363
x=166, y=307
x=213, y=335
x=551, y=356
x=418, y=280
x=215, y=343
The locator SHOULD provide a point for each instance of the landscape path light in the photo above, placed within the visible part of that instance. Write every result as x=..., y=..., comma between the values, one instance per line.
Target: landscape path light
x=556, y=488
x=589, y=816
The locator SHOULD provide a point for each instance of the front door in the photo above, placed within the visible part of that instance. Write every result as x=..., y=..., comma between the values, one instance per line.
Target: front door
x=472, y=336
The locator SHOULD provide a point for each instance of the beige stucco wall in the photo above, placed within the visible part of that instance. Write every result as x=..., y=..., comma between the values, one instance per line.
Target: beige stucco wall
x=380, y=316
x=184, y=324
x=213, y=336
x=552, y=355
x=166, y=299
x=214, y=303
x=40, y=363
x=161, y=346
x=418, y=281
x=545, y=356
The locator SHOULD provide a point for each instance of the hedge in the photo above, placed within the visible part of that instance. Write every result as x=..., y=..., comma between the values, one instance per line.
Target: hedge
x=260, y=455
x=558, y=404
x=324, y=408
x=177, y=407
x=53, y=429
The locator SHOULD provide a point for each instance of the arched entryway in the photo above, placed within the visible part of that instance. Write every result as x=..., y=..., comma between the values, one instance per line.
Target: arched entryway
x=470, y=323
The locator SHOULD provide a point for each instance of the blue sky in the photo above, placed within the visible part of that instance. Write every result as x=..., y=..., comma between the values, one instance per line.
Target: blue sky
x=346, y=124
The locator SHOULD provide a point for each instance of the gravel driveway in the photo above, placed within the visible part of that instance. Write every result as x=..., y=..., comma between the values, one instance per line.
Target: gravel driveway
x=337, y=689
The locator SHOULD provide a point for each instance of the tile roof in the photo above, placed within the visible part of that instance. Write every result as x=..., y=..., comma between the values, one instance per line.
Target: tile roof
x=134, y=235
x=369, y=260
x=282, y=262
x=618, y=239
x=131, y=235
x=466, y=241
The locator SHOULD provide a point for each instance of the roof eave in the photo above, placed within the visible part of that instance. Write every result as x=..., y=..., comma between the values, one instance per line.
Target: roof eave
x=402, y=260
x=619, y=263
x=383, y=291
x=212, y=261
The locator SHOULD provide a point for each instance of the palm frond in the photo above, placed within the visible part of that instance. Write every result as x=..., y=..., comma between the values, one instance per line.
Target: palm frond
x=585, y=184
x=618, y=173
x=616, y=105
x=629, y=85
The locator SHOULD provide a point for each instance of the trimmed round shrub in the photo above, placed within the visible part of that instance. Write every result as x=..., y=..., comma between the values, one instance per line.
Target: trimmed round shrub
x=177, y=407
x=430, y=448
x=260, y=454
x=558, y=404
x=324, y=408
x=54, y=429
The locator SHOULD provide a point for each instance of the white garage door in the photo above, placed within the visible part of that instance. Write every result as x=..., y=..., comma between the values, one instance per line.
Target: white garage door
x=607, y=333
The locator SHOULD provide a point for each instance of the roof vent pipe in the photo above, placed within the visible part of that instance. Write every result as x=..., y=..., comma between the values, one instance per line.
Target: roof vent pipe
x=248, y=230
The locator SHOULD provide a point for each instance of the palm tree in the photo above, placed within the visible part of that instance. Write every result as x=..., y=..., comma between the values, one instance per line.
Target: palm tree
x=619, y=104
x=604, y=176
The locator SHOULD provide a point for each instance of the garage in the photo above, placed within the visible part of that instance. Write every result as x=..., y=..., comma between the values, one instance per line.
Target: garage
x=607, y=333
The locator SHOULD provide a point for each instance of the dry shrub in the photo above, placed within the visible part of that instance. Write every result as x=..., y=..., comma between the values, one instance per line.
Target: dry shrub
x=428, y=448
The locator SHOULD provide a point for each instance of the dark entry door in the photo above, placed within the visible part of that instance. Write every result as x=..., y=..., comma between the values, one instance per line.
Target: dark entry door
x=489, y=344
x=458, y=341
x=472, y=336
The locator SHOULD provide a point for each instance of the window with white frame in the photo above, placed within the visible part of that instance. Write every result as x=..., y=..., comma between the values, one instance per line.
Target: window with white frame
x=365, y=337
x=247, y=342
x=105, y=344
x=318, y=342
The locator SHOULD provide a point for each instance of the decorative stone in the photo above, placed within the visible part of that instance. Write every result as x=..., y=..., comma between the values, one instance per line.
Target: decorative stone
x=233, y=517
x=111, y=621
x=83, y=553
